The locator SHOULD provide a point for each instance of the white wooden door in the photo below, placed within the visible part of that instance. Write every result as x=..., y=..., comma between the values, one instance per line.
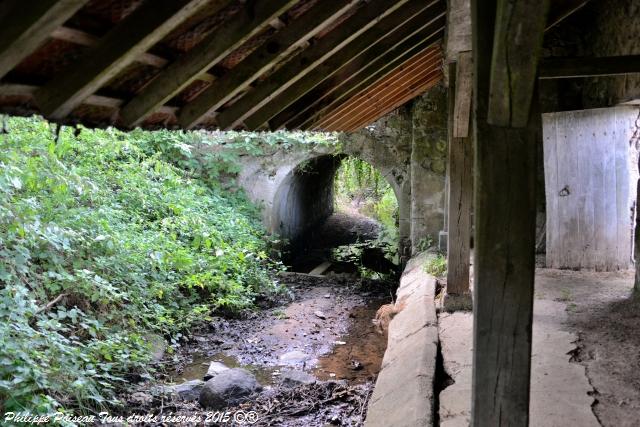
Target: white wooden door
x=590, y=181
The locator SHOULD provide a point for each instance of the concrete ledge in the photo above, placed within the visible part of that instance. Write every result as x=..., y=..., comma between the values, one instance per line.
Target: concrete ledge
x=403, y=395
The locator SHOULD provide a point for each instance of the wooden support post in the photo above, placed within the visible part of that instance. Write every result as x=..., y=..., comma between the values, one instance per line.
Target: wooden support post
x=505, y=219
x=517, y=42
x=24, y=25
x=460, y=193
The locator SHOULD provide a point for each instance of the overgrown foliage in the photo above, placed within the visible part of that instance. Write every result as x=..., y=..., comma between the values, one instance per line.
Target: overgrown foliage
x=106, y=238
x=360, y=187
x=436, y=265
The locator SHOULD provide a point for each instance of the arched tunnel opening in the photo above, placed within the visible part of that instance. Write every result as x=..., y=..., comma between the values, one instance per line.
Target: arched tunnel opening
x=339, y=216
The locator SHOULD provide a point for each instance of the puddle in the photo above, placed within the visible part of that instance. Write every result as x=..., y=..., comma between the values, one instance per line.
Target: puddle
x=197, y=369
x=354, y=354
x=360, y=357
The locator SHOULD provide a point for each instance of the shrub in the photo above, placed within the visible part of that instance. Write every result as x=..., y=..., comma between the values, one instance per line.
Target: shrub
x=106, y=237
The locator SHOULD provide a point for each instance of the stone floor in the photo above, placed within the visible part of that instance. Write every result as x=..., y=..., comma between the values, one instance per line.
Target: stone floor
x=559, y=388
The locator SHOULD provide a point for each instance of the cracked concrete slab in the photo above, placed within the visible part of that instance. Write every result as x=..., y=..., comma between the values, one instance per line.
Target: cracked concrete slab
x=559, y=388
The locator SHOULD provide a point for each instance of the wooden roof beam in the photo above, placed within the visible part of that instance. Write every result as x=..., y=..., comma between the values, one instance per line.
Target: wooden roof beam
x=366, y=17
x=215, y=47
x=9, y=89
x=517, y=43
x=349, y=81
x=136, y=34
x=368, y=48
x=278, y=46
x=565, y=68
x=26, y=24
x=83, y=38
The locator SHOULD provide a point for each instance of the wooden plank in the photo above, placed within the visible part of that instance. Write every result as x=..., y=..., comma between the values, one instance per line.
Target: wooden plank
x=517, y=42
x=390, y=102
x=624, y=116
x=569, y=68
x=320, y=269
x=350, y=80
x=584, y=240
x=82, y=38
x=179, y=74
x=416, y=89
x=376, y=102
x=366, y=17
x=349, y=105
x=504, y=244
x=279, y=46
x=550, y=185
x=458, y=28
x=460, y=189
x=137, y=33
x=365, y=49
x=95, y=100
x=24, y=25
x=464, y=88
x=318, y=102
x=608, y=140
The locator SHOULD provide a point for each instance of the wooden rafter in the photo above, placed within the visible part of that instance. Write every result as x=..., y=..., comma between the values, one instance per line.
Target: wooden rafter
x=138, y=32
x=378, y=104
x=29, y=91
x=279, y=46
x=350, y=81
x=83, y=38
x=365, y=49
x=366, y=17
x=179, y=74
x=517, y=42
x=354, y=100
x=24, y=25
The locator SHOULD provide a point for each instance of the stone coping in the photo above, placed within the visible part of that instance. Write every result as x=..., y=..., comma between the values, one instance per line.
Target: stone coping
x=403, y=394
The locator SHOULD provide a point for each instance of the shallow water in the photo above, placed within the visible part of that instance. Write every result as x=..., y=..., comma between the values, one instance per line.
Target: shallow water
x=356, y=356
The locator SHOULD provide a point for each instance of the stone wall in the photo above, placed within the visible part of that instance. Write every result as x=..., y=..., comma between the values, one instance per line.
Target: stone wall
x=428, y=166
x=408, y=147
x=614, y=30
x=601, y=28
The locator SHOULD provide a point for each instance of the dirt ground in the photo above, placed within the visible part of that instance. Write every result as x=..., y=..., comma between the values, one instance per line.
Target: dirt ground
x=324, y=329
x=604, y=312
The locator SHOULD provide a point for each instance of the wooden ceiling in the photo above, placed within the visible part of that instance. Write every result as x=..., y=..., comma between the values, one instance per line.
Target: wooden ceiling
x=224, y=64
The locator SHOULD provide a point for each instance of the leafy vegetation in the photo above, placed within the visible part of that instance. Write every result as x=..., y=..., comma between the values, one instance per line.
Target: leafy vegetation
x=107, y=237
x=360, y=187
x=437, y=266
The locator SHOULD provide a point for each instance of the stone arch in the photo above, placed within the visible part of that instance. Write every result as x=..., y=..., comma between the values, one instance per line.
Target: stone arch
x=295, y=187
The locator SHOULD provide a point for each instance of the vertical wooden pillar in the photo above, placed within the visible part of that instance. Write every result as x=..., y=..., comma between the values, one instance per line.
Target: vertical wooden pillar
x=460, y=193
x=505, y=214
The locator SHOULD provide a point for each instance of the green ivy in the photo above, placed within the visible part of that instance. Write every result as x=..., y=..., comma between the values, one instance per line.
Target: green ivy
x=106, y=237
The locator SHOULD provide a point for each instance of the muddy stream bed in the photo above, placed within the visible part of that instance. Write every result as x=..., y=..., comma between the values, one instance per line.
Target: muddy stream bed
x=324, y=329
